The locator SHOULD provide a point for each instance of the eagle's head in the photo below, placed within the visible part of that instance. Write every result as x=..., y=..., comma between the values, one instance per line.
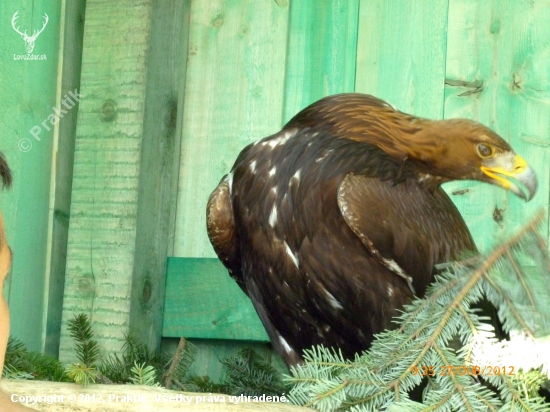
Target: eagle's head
x=463, y=149
x=436, y=151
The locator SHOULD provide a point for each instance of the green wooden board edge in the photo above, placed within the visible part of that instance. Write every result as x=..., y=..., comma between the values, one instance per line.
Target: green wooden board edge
x=202, y=301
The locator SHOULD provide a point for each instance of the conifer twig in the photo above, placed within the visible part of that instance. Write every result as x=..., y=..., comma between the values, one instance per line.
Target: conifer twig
x=383, y=377
x=175, y=361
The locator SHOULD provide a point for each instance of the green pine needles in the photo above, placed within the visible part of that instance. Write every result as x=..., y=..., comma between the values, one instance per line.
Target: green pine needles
x=22, y=364
x=418, y=357
x=137, y=364
x=87, y=351
x=246, y=372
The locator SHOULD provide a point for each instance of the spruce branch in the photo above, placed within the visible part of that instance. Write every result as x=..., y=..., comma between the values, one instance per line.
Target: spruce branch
x=82, y=374
x=22, y=364
x=143, y=374
x=249, y=374
x=87, y=349
x=514, y=278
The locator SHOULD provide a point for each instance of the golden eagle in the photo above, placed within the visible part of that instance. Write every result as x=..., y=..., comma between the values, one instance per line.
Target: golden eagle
x=331, y=225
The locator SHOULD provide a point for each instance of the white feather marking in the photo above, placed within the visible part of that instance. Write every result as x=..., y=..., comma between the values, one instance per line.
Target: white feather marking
x=393, y=266
x=332, y=300
x=292, y=256
x=297, y=174
x=285, y=345
x=229, y=180
x=280, y=139
x=323, y=156
x=273, y=171
x=390, y=291
x=253, y=167
x=273, y=216
x=274, y=190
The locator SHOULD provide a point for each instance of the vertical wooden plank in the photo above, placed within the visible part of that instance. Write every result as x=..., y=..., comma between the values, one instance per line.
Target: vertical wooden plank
x=322, y=46
x=506, y=46
x=159, y=166
x=234, y=95
x=60, y=201
x=28, y=89
x=102, y=232
x=401, y=53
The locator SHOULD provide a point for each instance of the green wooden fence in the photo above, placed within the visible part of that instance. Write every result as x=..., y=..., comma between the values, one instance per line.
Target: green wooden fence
x=175, y=89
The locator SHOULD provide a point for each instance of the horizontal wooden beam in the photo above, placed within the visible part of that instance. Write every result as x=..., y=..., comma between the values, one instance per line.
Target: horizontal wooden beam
x=202, y=301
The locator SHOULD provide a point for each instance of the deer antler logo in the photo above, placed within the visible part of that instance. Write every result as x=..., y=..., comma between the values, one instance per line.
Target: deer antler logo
x=29, y=39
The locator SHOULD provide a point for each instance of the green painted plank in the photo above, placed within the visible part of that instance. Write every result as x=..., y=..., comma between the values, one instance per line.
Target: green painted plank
x=70, y=65
x=506, y=46
x=159, y=166
x=102, y=231
x=234, y=95
x=401, y=53
x=28, y=89
x=202, y=301
x=322, y=46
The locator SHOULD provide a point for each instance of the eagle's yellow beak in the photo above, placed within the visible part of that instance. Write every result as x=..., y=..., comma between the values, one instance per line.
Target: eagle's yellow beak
x=506, y=177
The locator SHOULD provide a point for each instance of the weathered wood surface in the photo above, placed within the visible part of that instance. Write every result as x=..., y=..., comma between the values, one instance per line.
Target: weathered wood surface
x=322, y=47
x=103, y=398
x=29, y=90
x=102, y=233
x=72, y=30
x=401, y=51
x=159, y=167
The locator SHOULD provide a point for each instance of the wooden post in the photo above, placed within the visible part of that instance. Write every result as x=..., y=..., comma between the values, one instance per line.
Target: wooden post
x=29, y=89
x=70, y=58
x=107, y=159
x=159, y=166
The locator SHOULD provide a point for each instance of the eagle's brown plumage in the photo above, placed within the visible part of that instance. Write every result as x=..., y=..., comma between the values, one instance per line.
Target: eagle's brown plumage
x=333, y=223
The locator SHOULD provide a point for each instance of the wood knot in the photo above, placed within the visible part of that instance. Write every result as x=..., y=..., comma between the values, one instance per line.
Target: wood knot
x=108, y=111
x=147, y=291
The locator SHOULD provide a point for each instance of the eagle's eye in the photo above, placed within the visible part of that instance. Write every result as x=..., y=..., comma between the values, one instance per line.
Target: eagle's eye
x=484, y=150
